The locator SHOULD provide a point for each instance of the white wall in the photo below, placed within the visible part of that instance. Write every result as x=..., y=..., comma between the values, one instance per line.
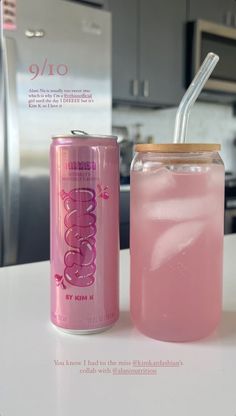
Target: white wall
x=213, y=123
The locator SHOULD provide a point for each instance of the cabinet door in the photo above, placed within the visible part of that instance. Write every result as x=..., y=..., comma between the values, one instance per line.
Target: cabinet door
x=124, y=219
x=212, y=10
x=232, y=12
x=162, y=48
x=124, y=49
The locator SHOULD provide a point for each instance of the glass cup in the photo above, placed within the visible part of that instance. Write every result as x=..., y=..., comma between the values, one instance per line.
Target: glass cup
x=177, y=228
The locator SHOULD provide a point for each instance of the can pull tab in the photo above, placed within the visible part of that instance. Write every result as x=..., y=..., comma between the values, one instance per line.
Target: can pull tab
x=79, y=132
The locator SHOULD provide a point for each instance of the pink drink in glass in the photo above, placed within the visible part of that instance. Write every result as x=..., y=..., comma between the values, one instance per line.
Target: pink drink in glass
x=176, y=249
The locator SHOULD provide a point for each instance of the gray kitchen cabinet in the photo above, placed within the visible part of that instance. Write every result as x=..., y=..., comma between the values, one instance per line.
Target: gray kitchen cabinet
x=232, y=12
x=93, y=3
x=161, y=51
x=148, y=51
x=219, y=11
x=124, y=218
x=124, y=49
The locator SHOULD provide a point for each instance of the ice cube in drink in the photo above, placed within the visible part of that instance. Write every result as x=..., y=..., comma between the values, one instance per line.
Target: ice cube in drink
x=176, y=251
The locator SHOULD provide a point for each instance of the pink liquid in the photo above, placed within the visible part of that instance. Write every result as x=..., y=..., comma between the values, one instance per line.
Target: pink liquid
x=176, y=251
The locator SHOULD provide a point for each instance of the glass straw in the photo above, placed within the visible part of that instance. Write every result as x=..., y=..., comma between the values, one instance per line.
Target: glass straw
x=192, y=93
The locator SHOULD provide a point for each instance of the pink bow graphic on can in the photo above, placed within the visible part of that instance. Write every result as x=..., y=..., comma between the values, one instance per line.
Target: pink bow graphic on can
x=102, y=192
x=60, y=281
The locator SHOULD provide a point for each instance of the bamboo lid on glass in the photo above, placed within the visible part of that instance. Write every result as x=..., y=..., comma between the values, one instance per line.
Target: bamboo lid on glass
x=178, y=147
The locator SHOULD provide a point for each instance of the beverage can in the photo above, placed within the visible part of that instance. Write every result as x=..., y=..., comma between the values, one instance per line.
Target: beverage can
x=84, y=228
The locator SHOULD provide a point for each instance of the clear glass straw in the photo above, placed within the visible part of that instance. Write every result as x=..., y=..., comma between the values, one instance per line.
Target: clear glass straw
x=192, y=93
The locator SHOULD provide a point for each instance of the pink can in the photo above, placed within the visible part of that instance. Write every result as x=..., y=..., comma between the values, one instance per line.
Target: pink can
x=84, y=192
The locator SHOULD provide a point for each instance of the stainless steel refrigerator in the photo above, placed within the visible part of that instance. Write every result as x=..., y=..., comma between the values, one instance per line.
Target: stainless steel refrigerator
x=55, y=74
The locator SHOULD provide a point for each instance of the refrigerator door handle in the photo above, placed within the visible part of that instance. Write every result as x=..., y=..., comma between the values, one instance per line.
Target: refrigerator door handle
x=12, y=160
x=2, y=150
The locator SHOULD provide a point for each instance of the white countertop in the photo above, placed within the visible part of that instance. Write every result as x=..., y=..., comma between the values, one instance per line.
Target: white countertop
x=202, y=382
